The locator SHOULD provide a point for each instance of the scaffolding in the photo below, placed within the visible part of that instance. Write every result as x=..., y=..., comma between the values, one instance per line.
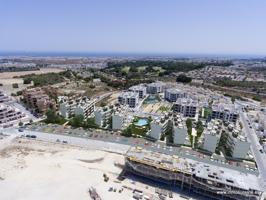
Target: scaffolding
x=175, y=174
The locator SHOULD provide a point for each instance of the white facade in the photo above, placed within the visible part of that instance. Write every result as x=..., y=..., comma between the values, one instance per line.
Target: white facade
x=158, y=128
x=212, y=136
x=9, y=115
x=140, y=89
x=4, y=97
x=117, y=122
x=156, y=87
x=172, y=94
x=239, y=146
x=129, y=98
x=210, y=142
x=224, y=112
x=102, y=116
x=187, y=106
x=180, y=135
x=75, y=106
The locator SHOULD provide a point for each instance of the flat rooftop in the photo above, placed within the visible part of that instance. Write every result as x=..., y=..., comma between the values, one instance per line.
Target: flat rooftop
x=163, y=161
x=210, y=172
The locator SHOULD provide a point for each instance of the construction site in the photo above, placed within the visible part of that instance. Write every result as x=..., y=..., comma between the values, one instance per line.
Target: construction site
x=209, y=181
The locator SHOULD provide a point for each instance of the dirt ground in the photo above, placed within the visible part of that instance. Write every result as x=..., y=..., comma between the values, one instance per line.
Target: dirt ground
x=7, y=79
x=8, y=75
x=31, y=170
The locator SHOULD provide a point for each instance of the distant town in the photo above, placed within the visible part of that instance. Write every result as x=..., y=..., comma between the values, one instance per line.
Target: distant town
x=184, y=128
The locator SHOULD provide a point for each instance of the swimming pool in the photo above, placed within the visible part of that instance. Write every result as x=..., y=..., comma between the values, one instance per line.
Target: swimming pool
x=151, y=99
x=141, y=122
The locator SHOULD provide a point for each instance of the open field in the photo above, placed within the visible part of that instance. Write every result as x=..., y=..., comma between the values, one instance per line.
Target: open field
x=40, y=170
x=8, y=75
x=7, y=79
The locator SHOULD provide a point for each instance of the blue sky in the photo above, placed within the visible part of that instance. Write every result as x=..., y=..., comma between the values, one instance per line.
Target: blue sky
x=139, y=26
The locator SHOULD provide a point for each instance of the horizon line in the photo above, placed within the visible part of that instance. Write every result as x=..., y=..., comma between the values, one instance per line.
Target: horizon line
x=123, y=54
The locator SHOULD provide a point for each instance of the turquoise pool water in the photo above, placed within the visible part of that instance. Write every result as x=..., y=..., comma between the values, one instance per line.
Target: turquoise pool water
x=141, y=122
x=151, y=99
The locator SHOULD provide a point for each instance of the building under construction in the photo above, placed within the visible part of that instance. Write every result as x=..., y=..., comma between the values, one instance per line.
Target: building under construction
x=213, y=182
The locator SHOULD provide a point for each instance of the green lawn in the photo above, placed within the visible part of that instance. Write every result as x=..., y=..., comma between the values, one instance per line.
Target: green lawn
x=125, y=69
x=141, y=69
x=160, y=69
x=164, y=109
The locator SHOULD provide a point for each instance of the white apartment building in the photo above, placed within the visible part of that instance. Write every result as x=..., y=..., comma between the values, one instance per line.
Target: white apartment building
x=118, y=121
x=172, y=94
x=75, y=106
x=156, y=87
x=140, y=89
x=9, y=116
x=238, y=145
x=212, y=136
x=158, y=127
x=102, y=116
x=261, y=117
x=129, y=98
x=187, y=106
x=180, y=135
x=224, y=112
x=4, y=97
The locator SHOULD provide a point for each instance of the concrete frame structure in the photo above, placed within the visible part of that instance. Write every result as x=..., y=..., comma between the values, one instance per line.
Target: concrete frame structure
x=38, y=100
x=211, y=181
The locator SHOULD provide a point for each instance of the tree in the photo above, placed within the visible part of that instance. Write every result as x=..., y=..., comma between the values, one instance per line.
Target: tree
x=162, y=137
x=50, y=116
x=103, y=104
x=200, y=129
x=127, y=132
x=189, y=130
x=183, y=78
x=77, y=121
x=20, y=123
x=27, y=81
x=90, y=123
x=15, y=85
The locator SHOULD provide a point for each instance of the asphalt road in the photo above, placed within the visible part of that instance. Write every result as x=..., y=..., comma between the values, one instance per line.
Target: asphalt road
x=120, y=144
x=255, y=146
x=68, y=140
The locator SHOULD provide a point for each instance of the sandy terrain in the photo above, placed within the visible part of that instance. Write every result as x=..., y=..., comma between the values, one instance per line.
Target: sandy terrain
x=7, y=75
x=6, y=78
x=37, y=170
x=31, y=170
